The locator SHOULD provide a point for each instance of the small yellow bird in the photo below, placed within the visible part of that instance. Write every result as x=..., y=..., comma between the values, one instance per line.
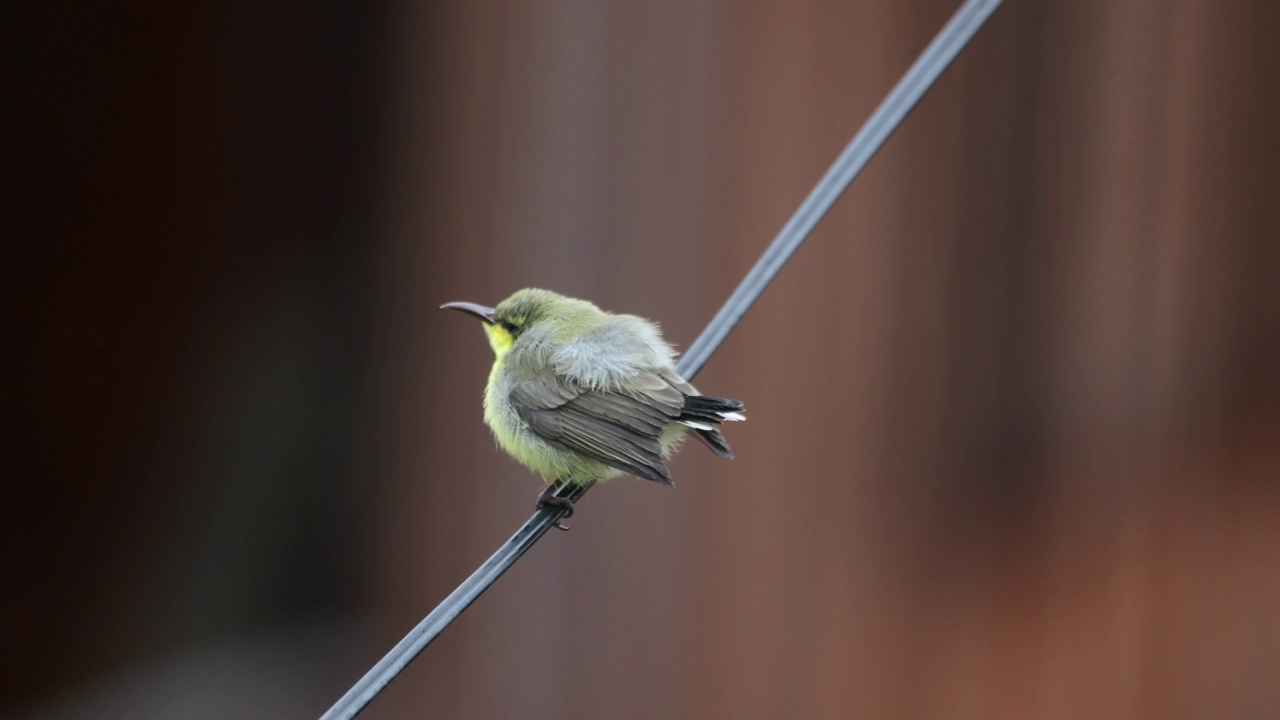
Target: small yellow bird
x=579, y=395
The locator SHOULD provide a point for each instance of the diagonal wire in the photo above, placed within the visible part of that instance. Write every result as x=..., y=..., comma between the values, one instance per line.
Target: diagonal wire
x=918, y=79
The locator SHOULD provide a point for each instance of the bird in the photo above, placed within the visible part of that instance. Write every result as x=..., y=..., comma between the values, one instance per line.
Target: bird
x=579, y=395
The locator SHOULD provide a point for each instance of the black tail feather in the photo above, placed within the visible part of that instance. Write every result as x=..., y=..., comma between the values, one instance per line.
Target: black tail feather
x=712, y=411
x=715, y=441
x=709, y=409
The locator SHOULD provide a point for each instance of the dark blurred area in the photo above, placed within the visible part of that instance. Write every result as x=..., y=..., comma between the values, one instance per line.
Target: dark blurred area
x=1014, y=437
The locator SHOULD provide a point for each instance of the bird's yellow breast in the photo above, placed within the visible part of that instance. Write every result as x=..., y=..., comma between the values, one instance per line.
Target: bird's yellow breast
x=499, y=339
x=521, y=443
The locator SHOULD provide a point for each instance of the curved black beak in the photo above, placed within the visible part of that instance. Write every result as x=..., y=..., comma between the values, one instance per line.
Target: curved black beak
x=480, y=311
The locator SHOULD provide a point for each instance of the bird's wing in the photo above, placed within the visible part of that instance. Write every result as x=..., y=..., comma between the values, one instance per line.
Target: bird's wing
x=618, y=427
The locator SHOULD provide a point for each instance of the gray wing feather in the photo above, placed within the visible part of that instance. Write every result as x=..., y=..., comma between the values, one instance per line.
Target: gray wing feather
x=619, y=427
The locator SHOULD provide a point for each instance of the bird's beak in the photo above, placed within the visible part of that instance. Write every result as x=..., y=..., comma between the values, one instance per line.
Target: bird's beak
x=480, y=311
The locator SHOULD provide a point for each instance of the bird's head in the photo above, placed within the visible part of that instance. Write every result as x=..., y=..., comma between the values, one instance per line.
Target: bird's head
x=533, y=313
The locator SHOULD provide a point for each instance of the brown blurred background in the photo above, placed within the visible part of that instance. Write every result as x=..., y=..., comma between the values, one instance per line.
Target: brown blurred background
x=1014, y=438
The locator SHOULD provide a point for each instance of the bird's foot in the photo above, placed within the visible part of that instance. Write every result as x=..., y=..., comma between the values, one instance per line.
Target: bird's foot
x=547, y=498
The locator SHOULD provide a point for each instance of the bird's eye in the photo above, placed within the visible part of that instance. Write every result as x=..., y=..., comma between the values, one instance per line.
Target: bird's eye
x=509, y=327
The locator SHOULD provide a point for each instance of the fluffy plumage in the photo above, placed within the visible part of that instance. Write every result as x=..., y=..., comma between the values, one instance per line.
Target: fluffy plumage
x=581, y=395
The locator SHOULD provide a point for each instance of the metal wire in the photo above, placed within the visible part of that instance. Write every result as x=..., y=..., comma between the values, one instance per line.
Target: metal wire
x=904, y=96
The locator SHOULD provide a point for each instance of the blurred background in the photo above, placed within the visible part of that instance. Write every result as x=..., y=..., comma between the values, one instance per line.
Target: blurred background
x=1014, y=438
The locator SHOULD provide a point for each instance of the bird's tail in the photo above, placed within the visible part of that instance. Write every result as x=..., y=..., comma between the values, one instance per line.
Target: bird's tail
x=703, y=414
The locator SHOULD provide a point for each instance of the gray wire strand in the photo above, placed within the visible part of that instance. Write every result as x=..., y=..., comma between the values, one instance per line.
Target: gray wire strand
x=918, y=79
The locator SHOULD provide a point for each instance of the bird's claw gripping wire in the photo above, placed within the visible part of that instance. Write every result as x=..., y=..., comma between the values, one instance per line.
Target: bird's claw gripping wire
x=548, y=498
